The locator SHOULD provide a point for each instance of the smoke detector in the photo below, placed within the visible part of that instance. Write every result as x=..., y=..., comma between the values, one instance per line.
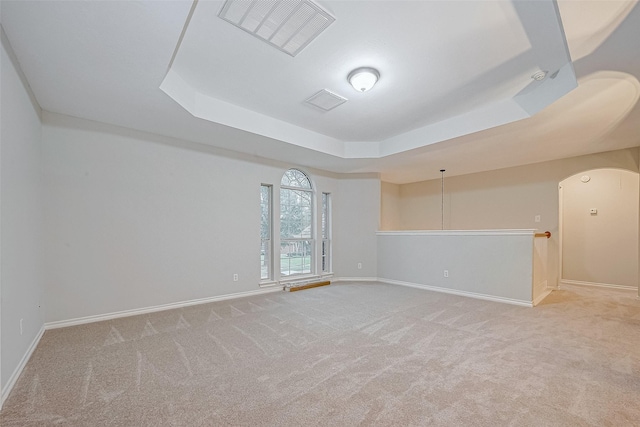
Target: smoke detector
x=288, y=25
x=539, y=75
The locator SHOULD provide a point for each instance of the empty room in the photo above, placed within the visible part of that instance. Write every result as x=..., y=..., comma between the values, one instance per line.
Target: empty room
x=319, y=212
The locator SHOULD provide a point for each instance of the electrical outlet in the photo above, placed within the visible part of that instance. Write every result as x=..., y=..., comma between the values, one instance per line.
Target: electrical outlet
x=537, y=218
x=235, y=277
x=446, y=273
x=21, y=326
x=359, y=266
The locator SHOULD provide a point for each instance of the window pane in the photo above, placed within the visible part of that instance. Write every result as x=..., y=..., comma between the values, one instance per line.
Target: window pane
x=326, y=233
x=324, y=214
x=265, y=212
x=295, y=178
x=265, y=231
x=325, y=256
x=295, y=257
x=295, y=214
x=265, y=260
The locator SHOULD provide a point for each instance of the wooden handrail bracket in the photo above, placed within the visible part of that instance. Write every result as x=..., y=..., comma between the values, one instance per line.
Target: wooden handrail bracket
x=546, y=234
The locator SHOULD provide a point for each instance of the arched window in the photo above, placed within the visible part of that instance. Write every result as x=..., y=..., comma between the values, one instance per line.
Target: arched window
x=296, y=224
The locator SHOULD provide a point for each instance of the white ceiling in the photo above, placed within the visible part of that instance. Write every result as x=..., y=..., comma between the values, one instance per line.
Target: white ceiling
x=455, y=82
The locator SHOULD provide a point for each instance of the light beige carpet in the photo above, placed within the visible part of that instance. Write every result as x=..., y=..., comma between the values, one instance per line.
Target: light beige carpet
x=344, y=355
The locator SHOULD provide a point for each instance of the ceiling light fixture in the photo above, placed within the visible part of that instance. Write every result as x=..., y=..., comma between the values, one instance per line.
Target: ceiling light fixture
x=363, y=79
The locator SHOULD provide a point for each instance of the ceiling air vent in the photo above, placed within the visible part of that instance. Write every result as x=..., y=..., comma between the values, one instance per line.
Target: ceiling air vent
x=289, y=25
x=326, y=100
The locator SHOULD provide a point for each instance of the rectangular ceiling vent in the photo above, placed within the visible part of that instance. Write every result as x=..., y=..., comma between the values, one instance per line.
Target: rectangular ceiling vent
x=289, y=25
x=326, y=100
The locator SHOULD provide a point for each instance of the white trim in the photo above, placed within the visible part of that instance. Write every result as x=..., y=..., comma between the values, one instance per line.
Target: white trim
x=162, y=307
x=23, y=362
x=542, y=296
x=560, y=231
x=505, y=232
x=597, y=285
x=299, y=278
x=457, y=292
x=356, y=279
x=269, y=284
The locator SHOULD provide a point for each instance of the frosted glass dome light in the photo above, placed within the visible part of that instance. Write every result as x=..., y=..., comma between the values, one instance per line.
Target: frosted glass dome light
x=363, y=79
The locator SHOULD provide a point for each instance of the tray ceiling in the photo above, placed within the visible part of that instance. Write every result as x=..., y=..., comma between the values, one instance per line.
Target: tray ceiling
x=455, y=88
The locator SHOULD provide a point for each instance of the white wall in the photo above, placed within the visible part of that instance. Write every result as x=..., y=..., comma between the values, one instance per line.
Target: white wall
x=540, y=268
x=135, y=220
x=21, y=266
x=505, y=198
x=600, y=248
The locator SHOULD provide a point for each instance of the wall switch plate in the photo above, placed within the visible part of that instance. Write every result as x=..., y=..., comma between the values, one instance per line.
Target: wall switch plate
x=537, y=218
x=359, y=266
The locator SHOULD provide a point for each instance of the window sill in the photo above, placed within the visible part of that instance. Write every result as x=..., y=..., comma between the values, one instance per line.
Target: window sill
x=300, y=278
x=269, y=284
x=306, y=278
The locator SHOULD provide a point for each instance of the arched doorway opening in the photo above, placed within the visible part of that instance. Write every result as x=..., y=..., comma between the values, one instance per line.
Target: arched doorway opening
x=598, y=228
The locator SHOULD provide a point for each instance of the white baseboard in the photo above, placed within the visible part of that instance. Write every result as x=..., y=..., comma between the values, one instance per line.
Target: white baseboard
x=23, y=362
x=542, y=296
x=597, y=285
x=162, y=307
x=522, y=303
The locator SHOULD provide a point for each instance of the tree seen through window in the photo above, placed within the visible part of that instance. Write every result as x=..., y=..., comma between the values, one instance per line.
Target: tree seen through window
x=296, y=224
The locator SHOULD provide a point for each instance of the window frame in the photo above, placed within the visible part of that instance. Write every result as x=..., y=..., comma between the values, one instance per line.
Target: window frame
x=296, y=241
x=325, y=234
x=266, y=245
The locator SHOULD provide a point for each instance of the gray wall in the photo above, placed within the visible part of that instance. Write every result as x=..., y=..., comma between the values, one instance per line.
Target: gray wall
x=135, y=220
x=420, y=258
x=356, y=221
x=21, y=266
